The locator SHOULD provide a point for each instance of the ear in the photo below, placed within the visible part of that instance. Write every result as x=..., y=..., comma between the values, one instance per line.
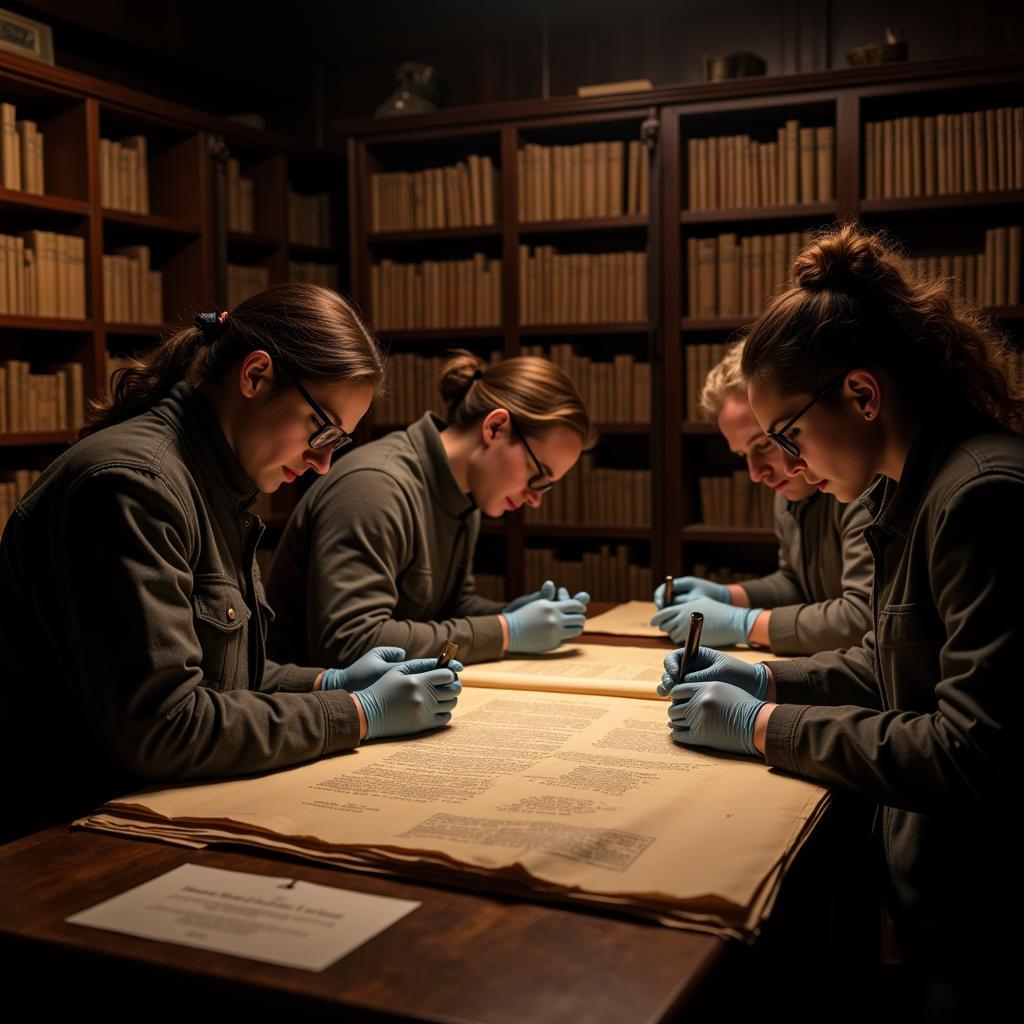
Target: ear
x=864, y=389
x=493, y=425
x=255, y=374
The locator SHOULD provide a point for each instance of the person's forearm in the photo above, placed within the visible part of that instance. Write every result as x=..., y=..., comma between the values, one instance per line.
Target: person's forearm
x=738, y=596
x=761, y=726
x=759, y=630
x=362, y=716
x=504, y=633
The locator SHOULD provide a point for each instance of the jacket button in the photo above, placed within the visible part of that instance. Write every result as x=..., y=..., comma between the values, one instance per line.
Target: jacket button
x=246, y=522
x=232, y=615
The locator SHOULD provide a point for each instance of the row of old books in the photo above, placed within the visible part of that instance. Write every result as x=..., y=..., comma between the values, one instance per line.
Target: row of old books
x=14, y=483
x=245, y=281
x=735, y=171
x=241, y=199
x=731, y=276
x=124, y=174
x=736, y=501
x=22, y=163
x=940, y=154
x=597, y=495
x=991, y=278
x=413, y=387
x=581, y=287
x=491, y=585
x=614, y=391
x=589, y=179
x=608, y=574
x=309, y=219
x=461, y=195
x=436, y=293
x=43, y=275
x=700, y=359
x=313, y=273
x=722, y=573
x=54, y=400
x=132, y=292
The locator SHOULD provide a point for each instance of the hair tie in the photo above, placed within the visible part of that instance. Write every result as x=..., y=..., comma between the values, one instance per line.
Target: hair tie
x=211, y=326
x=478, y=374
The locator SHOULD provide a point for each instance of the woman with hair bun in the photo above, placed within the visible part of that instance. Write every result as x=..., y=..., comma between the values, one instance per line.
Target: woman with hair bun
x=380, y=551
x=883, y=388
x=132, y=616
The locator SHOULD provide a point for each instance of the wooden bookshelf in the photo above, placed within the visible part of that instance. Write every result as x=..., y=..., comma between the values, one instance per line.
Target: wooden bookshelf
x=679, y=451
x=74, y=113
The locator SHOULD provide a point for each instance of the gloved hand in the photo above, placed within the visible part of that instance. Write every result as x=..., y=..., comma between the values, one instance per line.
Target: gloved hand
x=546, y=593
x=724, y=625
x=410, y=698
x=686, y=588
x=709, y=665
x=714, y=715
x=542, y=625
x=368, y=669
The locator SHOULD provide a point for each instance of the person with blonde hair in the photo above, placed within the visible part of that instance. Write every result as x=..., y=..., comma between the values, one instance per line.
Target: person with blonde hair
x=817, y=599
x=883, y=387
x=132, y=615
x=380, y=551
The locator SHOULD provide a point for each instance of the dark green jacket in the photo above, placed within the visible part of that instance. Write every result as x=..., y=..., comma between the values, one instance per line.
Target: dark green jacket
x=379, y=553
x=819, y=594
x=132, y=623
x=926, y=717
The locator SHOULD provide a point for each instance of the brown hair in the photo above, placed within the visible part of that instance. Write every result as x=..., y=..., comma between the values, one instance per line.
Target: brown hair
x=725, y=379
x=857, y=302
x=313, y=330
x=535, y=391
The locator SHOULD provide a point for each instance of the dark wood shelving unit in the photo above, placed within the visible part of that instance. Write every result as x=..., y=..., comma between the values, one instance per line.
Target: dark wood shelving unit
x=751, y=214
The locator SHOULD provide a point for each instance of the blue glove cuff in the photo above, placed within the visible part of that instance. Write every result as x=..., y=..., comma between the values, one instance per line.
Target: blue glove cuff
x=749, y=618
x=374, y=713
x=750, y=710
x=761, y=674
x=513, y=631
x=333, y=679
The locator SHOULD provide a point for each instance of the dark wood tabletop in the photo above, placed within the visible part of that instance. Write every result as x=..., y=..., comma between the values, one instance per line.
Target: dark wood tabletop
x=462, y=956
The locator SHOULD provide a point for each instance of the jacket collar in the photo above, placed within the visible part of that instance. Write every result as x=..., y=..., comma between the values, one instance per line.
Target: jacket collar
x=425, y=435
x=222, y=475
x=893, y=504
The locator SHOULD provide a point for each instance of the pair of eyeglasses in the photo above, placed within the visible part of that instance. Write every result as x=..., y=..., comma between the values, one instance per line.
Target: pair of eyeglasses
x=328, y=434
x=787, y=444
x=536, y=483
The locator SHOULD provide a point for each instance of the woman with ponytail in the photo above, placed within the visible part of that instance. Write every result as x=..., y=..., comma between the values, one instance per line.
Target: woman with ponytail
x=132, y=616
x=883, y=388
x=380, y=550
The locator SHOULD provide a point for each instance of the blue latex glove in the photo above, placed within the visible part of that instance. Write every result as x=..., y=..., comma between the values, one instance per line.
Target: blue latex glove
x=368, y=669
x=686, y=588
x=410, y=698
x=709, y=665
x=724, y=625
x=714, y=715
x=542, y=625
x=546, y=593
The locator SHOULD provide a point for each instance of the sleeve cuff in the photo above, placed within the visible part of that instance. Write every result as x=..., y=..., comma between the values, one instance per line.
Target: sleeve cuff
x=782, y=630
x=792, y=683
x=780, y=737
x=291, y=678
x=341, y=721
x=487, y=637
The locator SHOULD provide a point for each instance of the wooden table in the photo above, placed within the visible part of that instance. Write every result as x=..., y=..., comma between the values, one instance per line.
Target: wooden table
x=461, y=956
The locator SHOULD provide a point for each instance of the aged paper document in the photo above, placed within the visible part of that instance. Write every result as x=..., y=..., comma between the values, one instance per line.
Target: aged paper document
x=631, y=618
x=261, y=917
x=569, y=797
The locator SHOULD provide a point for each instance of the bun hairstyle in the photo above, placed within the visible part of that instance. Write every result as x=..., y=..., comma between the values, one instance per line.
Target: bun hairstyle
x=856, y=302
x=313, y=330
x=535, y=391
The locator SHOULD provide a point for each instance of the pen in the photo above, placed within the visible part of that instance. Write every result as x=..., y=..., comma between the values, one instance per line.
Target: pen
x=667, y=600
x=450, y=649
x=692, y=643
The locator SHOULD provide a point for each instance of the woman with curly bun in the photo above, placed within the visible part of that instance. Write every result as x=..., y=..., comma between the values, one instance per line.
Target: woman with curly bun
x=380, y=551
x=883, y=388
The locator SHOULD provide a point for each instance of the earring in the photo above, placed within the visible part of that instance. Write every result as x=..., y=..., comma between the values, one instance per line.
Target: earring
x=867, y=415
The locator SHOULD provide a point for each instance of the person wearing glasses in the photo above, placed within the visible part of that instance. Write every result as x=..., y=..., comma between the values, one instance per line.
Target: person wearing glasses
x=379, y=552
x=132, y=616
x=817, y=599
x=879, y=384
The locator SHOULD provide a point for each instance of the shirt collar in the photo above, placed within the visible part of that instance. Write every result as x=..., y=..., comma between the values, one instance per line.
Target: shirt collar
x=446, y=491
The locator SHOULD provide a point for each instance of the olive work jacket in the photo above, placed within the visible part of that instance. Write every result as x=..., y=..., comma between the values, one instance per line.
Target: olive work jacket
x=133, y=619
x=926, y=716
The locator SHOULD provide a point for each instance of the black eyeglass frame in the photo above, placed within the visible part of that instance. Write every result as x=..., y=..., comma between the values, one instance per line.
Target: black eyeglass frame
x=328, y=434
x=537, y=488
x=778, y=437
